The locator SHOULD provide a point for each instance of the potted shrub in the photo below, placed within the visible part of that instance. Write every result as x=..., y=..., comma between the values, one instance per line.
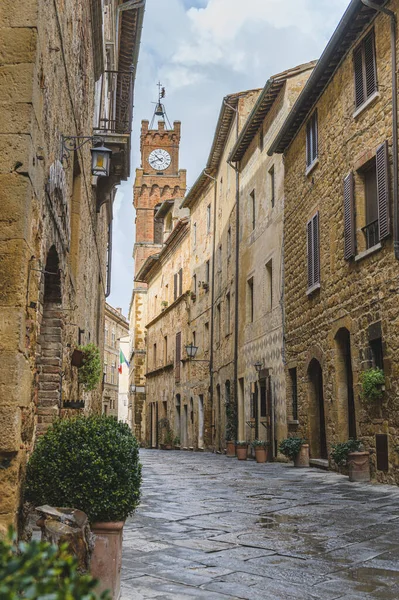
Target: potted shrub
x=168, y=439
x=90, y=372
x=372, y=384
x=176, y=443
x=92, y=464
x=260, y=448
x=296, y=449
x=242, y=450
x=352, y=455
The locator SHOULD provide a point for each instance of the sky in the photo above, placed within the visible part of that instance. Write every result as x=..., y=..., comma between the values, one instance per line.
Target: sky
x=202, y=50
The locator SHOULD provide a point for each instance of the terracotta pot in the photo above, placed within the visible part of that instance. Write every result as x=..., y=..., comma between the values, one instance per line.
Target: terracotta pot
x=302, y=458
x=230, y=449
x=260, y=454
x=77, y=358
x=241, y=452
x=168, y=447
x=359, y=466
x=106, y=560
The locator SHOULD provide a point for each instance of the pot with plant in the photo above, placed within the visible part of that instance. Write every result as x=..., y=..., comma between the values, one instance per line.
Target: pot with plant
x=241, y=450
x=168, y=439
x=295, y=449
x=261, y=449
x=176, y=443
x=372, y=383
x=351, y=454
x=92, y=464
x=90, y=371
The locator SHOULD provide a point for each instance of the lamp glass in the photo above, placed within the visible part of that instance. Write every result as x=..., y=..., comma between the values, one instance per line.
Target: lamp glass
x=258, y=366
x=191, y=350
x=100, y=161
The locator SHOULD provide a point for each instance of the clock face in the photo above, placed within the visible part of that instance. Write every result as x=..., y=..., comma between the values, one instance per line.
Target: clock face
x=159, y=159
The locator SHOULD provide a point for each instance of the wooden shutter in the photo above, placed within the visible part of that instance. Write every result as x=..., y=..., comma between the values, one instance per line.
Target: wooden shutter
x=349, y=218
x=314, y=136
x=308, y=144
x=178, y=356
x=382, y=168
x=175, y=286
x=359, y=80
x=310, y=254
x=369, y=65
x=180, y=282
x=316, y=249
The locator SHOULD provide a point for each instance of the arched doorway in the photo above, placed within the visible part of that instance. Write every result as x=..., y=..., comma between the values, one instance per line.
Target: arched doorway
x=178, y=418
x=317, y=423
x=50, y=351
x=345, y=399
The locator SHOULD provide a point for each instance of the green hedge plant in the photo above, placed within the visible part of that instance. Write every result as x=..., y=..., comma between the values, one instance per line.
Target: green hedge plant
x=372, y=382
x=41, y=570
x=89, y=463
x=340, y=451
x=291, y=447
x=90, y=372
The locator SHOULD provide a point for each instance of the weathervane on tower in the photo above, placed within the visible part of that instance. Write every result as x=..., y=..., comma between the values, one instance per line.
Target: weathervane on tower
x=160, y=110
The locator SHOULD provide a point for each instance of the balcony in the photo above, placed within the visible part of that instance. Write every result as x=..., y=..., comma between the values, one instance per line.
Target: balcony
x=371, y=234
x=116, y=103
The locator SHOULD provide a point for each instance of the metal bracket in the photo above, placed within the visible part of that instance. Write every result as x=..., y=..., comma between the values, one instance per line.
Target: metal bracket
x=69, y=143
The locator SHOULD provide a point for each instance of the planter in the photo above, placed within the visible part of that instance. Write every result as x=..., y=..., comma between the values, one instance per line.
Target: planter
x=77, y=404
x=261, y=454
x=242, y=452
x=167, y=447
x=302, y=458
x=359, y=466
x=106, y=560
x=77, y=358
x=230, y=449
x=177, y=447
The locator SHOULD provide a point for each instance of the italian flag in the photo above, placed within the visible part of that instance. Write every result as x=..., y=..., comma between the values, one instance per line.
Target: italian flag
x=122, y=359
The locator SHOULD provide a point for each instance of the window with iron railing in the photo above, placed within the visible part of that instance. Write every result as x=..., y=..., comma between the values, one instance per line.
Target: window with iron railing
x=116, y=102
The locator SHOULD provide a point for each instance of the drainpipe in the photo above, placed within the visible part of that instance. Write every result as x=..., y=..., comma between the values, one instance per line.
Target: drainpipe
x=237, y=264
x=392, y=16
x=212, y=305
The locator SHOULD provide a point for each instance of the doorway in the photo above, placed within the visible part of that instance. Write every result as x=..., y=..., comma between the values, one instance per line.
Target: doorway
x=346, y=414
x=317, y=424
x=200, y=421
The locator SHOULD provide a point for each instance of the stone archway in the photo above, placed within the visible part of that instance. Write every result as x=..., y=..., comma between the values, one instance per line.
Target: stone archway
x=317, y=423
x=344, y=397
x=50, y=351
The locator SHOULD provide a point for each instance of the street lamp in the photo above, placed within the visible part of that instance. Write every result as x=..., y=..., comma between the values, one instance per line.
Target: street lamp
x=100, y=160
x=258, y=366
x=191, y=350
x=100, y=155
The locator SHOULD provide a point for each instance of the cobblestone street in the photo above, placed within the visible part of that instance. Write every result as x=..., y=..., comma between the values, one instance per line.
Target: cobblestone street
x=210, y=527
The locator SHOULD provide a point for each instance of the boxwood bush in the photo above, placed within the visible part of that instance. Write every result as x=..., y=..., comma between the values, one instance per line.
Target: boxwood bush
x=89, y=463
x=42, y=570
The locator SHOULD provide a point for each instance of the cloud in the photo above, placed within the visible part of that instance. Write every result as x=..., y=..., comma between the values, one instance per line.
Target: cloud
x=202, y=50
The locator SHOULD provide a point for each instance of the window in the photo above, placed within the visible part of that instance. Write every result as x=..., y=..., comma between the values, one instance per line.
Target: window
x=178, y=356
x=155, y=356
x=272, y=187
x=294, y=393
x=376, y=353
x=105, y=371
x=113, y=339
x=106, y=335
x=228, y=307
x=311, y=140
x=195, y=235
x=253, y=208
x=175, y=286
x=371, y=205
x=229, y=242
x=194, y=284
x=180, y=282
x=269, y=285
x=165, y=350
x=313, y=252
x=206, y=336
x=207, y=271
x=218, y=322
x=250, y=301
x=113, y=373
x=194, y=338
x=261, y=139
x=365, y=70
x=208, y=218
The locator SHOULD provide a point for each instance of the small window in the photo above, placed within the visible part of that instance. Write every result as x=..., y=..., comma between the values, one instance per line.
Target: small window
x=229, y=242
x=253, y=208
x=194, y=284
x=294, y=393
x=113, y=339
x=207, y=271
x=311, y=140
x=218, y=322
x=250, y=297
x=313, y=252
x=370, y=230
x=269, y=285
x=206, y=336
x=155, y=356
x=165, y=349
x=178, y=356
x=180, y=282
x=175, y=287
x=194, y=338
x=228, y=308
x=195, y=235
x=376, y=353
x=208, y=218
x=365, y=71
x=261, y=139
x=272, y=187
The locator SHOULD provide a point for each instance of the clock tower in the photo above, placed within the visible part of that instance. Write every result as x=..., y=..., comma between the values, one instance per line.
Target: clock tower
x=157, y=181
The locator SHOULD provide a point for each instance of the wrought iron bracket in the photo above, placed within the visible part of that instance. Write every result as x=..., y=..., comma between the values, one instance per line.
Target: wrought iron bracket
x=70, y=143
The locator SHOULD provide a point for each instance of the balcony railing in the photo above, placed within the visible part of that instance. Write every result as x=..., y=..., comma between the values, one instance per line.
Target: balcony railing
x=371, y=234
x=116, y=102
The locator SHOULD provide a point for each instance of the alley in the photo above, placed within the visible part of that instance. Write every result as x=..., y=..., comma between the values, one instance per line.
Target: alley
x=210, y=527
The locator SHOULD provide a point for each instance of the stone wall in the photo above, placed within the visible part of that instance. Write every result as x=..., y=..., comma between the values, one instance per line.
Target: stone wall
x=355, y=296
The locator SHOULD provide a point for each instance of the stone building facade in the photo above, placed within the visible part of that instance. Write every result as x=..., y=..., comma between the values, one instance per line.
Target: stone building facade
x=116, y=327
x=155, y=185
x=261, y=374
x=56, y=219
x=340, y=233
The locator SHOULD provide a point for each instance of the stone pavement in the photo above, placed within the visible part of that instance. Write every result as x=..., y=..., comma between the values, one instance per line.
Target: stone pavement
x=211, y=527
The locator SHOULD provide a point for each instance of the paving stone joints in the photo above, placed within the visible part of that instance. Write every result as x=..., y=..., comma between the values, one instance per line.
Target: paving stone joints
x=210, y=527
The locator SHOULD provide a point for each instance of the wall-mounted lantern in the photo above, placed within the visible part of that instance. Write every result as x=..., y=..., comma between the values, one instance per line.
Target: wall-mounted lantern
x=101, y=156
x=191, y=350
x=258, y=366
x=100, y=161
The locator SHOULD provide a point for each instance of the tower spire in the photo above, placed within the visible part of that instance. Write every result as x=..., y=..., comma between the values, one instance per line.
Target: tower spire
x=160, y=110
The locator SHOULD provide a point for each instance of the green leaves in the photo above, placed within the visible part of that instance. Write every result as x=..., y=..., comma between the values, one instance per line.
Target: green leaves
x=89, y=463
x=41, y=570
x=90, y=371
x=372, y=382
x=290, y=447
x=340, y=451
